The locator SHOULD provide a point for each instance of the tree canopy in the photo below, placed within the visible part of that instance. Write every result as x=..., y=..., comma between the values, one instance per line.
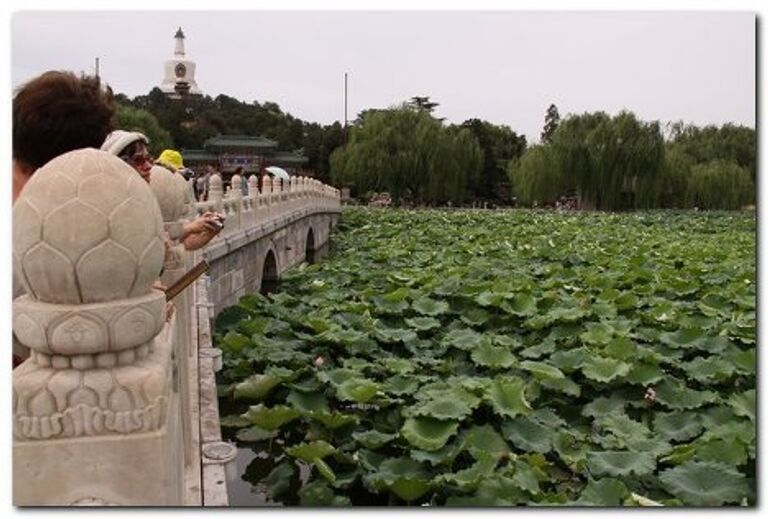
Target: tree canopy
x=410, y=154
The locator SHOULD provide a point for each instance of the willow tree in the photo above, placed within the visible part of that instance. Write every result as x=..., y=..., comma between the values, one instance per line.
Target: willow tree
x=674, y=178
x=408, y=153
x=720, y=184
x=613, y=163
x=536, y=176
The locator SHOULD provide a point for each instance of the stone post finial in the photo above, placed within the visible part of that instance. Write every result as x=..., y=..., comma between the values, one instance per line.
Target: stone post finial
x=216, y=189
x=253, y=185
x=237, y=186
x=267, y=185
x=88, y=245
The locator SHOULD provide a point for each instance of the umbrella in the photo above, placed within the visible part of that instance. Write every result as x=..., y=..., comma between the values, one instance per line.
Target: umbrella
x=278, y=172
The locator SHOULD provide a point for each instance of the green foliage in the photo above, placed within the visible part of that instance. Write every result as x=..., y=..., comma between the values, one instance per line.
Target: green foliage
x=500, y=146
x=613, y=162
x=197, y=118
x=581, y=359
x=730, y=143
x=536, y=176
x=408, y=153
x=719, y=185
x=551, y=122
x=138, y=120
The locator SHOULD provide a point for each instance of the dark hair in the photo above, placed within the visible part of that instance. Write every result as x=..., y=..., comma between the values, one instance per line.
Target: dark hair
x=239, y=170
x=130, y=150
x=58, y=112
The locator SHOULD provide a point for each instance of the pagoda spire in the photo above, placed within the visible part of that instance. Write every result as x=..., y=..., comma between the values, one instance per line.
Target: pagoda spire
x=179, y=50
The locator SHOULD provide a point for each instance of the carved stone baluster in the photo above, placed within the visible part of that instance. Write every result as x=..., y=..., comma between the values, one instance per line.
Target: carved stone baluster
x=234, y=221
x=95, y=418
x=216, y=191
x=253, y=199
x=266, y=194
x=173, y=198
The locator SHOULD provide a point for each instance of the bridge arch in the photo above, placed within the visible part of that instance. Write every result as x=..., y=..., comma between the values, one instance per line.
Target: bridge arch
x=269, y=275
x=310, y=247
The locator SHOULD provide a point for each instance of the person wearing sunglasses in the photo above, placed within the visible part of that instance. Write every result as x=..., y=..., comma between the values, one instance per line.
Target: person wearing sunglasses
x=133, y=148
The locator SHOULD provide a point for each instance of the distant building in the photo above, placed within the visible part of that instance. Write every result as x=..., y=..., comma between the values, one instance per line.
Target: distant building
x=179, y=77
x=253, y=153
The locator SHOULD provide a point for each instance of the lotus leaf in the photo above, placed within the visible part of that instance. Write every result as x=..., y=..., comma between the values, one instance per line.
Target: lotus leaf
x=373, y=439
x=620, y=463
x=400, y=385
x=423, y=324
x=598, y=334
x=542, y=370
x=483, y=439
x=689, y=338
x=255, y=433
x=443, y=408
x=256, y=387
x=357, y=390
x=604, y=369
x=469, y=478
x=394, y=335
x=644, y=374
x=562, y=385
x=699, y=483
x=528, y=435
x=507, y=397
x=675, y=395
x=334, y=419
x=463, y=339
x=428, y=434
x=525, y=477
x=677, y=425
x=603, y=492
x=495, y=357
x=310, y=451
x=270, y=418
x=318, y=493
x=430, y=307
x=569, y=360
x=731, y=451
x=744, y=404
x=307, y=402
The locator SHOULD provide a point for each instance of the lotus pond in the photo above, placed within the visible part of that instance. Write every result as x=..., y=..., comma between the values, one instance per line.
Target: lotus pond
x=462, y=358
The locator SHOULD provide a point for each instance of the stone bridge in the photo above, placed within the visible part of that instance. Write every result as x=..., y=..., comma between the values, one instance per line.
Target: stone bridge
x=117, y=404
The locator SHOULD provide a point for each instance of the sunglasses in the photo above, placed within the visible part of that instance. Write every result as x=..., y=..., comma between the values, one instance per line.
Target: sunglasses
x=137, y=160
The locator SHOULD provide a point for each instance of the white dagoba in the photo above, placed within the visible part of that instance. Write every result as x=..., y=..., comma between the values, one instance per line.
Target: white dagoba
x=179, y=72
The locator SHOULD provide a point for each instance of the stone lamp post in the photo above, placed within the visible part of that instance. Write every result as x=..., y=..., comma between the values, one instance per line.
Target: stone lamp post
x=95, y=417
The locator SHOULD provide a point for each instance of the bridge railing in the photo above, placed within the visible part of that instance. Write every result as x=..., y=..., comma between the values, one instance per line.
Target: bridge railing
x=116, y=404
x=277, y=197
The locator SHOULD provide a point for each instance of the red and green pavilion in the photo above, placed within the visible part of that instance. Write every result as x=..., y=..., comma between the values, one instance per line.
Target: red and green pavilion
x=253, y=153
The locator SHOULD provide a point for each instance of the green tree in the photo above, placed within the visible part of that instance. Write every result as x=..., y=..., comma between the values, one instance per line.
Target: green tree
x=674, y=179
x=408, y=153
x=729, y=142
x=136, y=119
x=536, y=176
x=720, y=184
x=551, y=122
x=500, y=145
x=423, y=103
x=613, y=163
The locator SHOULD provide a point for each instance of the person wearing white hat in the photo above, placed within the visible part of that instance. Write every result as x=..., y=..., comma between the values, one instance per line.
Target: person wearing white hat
x=133, y=148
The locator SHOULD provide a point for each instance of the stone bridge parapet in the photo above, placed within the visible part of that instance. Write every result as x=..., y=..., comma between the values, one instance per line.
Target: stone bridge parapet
x=117, y=402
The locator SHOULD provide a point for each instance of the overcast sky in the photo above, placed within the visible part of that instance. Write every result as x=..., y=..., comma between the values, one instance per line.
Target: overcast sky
x=505, y=67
